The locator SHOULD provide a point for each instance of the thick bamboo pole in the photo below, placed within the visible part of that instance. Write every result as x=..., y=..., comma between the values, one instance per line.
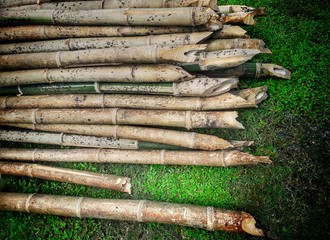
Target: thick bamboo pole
x=43, y=32
x=86, y=178
x=229, y=31
x=120, y=116
x=222, y=44
x=123, y=73
x=107, y=56
x=201, y=87
x=224, y=158
x=190, y=140
x=72, y=44
x=239, y=99
x=184, y=16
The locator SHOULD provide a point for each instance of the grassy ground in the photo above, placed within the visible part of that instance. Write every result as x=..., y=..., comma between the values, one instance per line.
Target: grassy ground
x=288, y=198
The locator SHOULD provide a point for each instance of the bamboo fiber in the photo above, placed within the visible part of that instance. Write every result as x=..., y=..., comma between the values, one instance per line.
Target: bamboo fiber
x=72, y=44
x=185, y=16
x=132, y=210
x=107, y=181
x=109, y=4
x=123, y=73
x=43, y=32
x=222, y=44
x=108, y=56
x=186, y=119
x=229, y=31
x=190, y=140
x=232, y=100
x=224, y=158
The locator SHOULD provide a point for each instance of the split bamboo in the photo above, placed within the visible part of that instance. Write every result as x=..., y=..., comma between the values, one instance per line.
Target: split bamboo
x=44, y=32
x=105, y=4
x=184, y=16
x=190, y=140
x=120, y=116
x=132, y=210
x=224, y=158
x=72, y=44
x=201, y=87
x=86, y=178
x=228, y=31
x=62, y=139
x=107, y=56
x=232, y=100
x=222, y=44
x=123, y=73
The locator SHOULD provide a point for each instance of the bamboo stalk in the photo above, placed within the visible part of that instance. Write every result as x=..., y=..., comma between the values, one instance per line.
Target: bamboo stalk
x=190, y=140
x=235, y=8
x=184, y=16
x=108, y=56
x=113, y=116
x=86, y=178
x=123, y=73
x=229, y=31
x=62, y=139
x=42, y=32
x=230, y=100
x=202, y=87
x=132, y=210
x=72, y=44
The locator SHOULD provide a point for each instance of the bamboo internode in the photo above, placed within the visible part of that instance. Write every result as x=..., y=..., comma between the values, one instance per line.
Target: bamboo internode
x=239, y=99
x=184, y=16
x=132, y=210
x=107, y=181
x=224, y=158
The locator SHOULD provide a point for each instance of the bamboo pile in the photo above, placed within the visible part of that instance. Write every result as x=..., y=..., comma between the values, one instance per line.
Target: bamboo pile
x=100, y=76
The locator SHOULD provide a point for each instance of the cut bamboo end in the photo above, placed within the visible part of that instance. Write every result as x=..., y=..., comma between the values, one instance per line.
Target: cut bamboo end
x=274, y=71
x=254, y=95
x=249, y=226
x=229, y=31
x=181, y=53
x=263, y=159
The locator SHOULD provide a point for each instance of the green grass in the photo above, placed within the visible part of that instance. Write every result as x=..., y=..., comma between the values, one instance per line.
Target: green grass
x=288, y=198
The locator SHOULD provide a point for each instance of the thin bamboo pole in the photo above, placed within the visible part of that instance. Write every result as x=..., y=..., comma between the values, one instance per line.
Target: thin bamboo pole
x=86, y=178
x=120, y=116
x=229, y=31
x=132, y=210
x=239, y=99
x=184, y=16
x=190, y=140
x=224, y=158
x=72, y=44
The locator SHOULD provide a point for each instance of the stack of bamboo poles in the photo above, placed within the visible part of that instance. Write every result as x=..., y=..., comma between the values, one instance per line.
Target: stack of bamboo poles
x=103, y=75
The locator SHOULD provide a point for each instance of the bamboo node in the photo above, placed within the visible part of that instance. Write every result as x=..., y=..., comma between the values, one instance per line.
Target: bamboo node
x=139, y=210
x=176, y=91
x=103, y=101
x=20, y=91
x=97, y=87
x=162, y=156
x=222, y=157
x=98, y=155
x=34, y=117
x=52, y=16
x=27, y=202
x=188, y=120
x=33, y=154
x=58, y=59
x=78, y=207
x=115, y=130
x=114, y=116
x=210, y=218
x=4, y=103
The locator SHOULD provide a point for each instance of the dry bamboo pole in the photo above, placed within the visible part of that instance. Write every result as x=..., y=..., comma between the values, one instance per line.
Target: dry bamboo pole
x=245, y=17
x=235, y=8
x=201, y=87
x=190, y=140
x=108, y=56
x=209, y=218
x=224, y=158
x=184, y=16
x=222, y=44
x=228, y=31
x=105, y=4
x=239, y=99
x=123, y=73
x=119, y=116
x=86, y=178
x=44, y=32
x=72, y=44
x=63, y=139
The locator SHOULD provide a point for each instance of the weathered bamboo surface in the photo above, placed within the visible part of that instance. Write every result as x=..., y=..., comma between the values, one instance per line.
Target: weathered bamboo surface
x=184, y=16
x=232, y=100
x=123, y=73
x=228, y=31
x=120, y=116
x=87, y=178
x=72, y=44
x=209, y=218
x=241, y=43
x=235, y=8
x=107, y=56
x=44, y=32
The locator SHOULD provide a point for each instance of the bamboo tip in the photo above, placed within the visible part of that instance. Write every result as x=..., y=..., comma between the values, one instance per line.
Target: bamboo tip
x=249, y=226
x=213, y=4
x=265, y=50
x=276, y=70
x=263, y=159
x=249, y=18
x=127, y=186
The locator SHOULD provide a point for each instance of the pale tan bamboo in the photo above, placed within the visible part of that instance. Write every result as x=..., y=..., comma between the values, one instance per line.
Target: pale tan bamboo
x=108, y=56
x=229, y=31
x=239, y=99
x=87, y=178
x=72, y=44
x=224, y=158
x=41, y=32
x=235, y=8
x=241, y=17
x=123, y=73
x=221, y=44
x=120, y=116
x=209, y=218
